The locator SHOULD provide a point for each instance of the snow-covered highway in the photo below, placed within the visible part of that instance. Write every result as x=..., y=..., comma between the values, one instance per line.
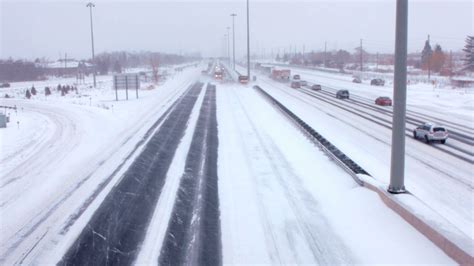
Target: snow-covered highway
x=441, y=176
x=206, y=172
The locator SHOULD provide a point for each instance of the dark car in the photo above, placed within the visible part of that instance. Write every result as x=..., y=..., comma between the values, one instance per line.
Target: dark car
x=377, y=82
x=384, y=101
x=5, y=85
x=295, y=84
x=316, y=87
x=243, y=79
x=342, y=94
x=357, y=80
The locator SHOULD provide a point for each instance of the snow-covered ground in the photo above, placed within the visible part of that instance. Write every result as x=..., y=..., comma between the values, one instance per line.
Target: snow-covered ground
x=441, y=181
x=281, y=199
x=64, y=149
x=284, y=202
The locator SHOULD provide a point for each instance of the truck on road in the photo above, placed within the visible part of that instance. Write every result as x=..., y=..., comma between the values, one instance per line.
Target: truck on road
x=281, y=74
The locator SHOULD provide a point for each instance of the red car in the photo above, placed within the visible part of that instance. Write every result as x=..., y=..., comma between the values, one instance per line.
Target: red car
x=384, y=101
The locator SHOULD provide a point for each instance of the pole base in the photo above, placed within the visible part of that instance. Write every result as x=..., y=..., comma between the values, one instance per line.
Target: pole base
x=397, y=190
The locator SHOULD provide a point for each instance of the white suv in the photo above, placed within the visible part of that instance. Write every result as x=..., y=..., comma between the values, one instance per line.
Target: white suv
x=430, y=132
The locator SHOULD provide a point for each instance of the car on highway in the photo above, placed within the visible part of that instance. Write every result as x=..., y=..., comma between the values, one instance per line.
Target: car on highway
x=356, y=80
x=383, y=101
x=295, y=85
x=316, y=87
x=342, y=94
x=430, y=133
x=296, y=77
x=243, y=79
x=303, y=83
x=377, y=82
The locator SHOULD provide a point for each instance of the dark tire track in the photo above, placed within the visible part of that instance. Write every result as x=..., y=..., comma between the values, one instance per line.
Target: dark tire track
x=116, y=230
x=193, y=236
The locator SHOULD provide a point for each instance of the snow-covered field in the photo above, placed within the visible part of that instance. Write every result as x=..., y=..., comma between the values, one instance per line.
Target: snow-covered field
x=280, y=199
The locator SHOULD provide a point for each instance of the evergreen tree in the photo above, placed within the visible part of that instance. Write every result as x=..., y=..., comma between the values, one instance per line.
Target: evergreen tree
x=28, y=94
x=47, y=91
x=426, y=55
x=438, y=58
x=33, y=90
x=469, y=50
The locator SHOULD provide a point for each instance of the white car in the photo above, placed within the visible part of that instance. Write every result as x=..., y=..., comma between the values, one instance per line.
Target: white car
x=430, y=133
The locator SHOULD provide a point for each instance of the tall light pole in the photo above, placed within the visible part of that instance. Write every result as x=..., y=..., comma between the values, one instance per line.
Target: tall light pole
x=224, y=54
x=90, y=5
x=233, y=38
x=228, y=44
x=248, y=42
x=361, y=63
x=397, y=167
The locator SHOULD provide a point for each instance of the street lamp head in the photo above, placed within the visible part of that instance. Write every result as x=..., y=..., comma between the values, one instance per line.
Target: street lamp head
x=90, y=4
x=233, y=15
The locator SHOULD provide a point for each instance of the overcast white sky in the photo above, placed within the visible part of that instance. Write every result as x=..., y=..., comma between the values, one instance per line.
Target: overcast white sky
x=31, y=29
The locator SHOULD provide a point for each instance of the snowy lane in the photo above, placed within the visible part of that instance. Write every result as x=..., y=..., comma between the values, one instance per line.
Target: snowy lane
x=56, y=136
x=193, y=235
x=423, y=102
x=449, y=107
x=117, y=228
x=444, y=185
x=295, y=200
x=289, y=217
x=457, y=131
x=27, y=142
x=458, y=145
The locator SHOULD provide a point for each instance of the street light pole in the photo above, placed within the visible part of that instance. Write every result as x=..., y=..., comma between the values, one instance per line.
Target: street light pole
x=233, y=38
x=248, y=42
x=90, y=5
x=397, y=167
x=228, y=44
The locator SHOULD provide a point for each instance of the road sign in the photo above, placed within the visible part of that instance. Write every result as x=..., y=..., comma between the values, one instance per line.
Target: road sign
x=126, y=82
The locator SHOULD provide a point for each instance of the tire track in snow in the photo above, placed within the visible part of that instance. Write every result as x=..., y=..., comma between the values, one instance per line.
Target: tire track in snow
x=193, y=234
x=37, y=225
x=325, y=246
x=116, y=230
x=301, y=97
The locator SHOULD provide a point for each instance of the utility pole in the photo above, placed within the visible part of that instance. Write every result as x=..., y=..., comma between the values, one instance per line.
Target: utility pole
x=325, y=55
x=361, y=66
x=90, y=5
x=228, y=44
x=397, y=167
x=233, y=38
x=377, y=65
x=248, y=42
x=450, y=63
x=429, y=61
